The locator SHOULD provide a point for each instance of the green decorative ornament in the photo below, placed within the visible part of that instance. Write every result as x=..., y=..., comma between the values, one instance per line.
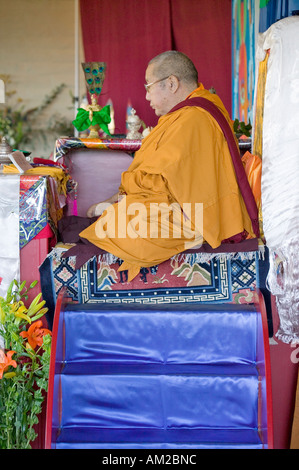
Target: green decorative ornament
x=93, y=117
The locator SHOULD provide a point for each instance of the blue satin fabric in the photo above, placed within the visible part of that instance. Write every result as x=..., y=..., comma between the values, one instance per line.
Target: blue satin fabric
x=158, y=335
x=159, y=401
x=158, y=377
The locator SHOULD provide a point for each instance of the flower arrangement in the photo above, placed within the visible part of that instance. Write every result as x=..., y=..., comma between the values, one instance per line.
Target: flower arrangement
x=240, y=128
x=24, y=366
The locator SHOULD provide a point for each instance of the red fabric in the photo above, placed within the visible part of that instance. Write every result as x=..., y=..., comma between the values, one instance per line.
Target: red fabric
x=202, y=30
x=46, y=232
x=126, y=34
x=44, y=161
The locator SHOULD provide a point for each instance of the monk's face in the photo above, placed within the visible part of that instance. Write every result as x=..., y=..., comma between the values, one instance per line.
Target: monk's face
x=158, y=94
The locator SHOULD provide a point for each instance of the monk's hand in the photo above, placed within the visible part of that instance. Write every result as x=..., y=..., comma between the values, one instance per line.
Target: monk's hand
x=97, y=209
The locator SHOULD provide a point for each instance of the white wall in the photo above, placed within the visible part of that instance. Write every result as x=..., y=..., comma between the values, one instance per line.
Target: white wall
x=37, y=51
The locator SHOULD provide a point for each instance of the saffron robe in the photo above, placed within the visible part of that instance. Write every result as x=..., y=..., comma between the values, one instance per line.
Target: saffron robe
x=184, y=161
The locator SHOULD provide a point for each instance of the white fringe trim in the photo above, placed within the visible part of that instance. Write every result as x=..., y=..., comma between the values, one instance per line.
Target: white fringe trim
x=58, y=251
x=206, y=257
x=196, y=257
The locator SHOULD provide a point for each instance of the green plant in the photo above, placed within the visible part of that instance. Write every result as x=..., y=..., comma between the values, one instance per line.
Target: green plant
x=240, y=128
x=24, y=366
x=23, y=127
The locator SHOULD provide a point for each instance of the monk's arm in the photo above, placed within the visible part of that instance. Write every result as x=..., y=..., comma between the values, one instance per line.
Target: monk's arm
x=97, y=209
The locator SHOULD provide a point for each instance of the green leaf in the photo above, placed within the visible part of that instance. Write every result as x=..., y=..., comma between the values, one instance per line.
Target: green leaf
x=22, y=286
x=21, y=396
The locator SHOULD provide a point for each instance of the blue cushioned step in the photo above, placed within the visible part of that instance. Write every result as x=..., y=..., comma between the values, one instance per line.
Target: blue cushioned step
x=177, y=376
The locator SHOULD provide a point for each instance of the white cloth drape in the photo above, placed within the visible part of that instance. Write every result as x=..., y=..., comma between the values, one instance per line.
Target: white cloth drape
x=280, y=172
x=9, y=230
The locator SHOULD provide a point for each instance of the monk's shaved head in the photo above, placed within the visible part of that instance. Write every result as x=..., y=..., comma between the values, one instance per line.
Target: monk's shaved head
x=175, y=63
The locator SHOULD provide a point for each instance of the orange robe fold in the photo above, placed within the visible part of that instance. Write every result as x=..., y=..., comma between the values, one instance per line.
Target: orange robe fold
x=184, y=161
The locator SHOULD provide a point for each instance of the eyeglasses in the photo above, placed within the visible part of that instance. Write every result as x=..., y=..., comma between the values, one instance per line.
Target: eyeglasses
x=148, y=85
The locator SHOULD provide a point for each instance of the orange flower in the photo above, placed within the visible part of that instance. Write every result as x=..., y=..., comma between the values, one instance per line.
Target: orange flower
x=6, y=361
x=35, y=334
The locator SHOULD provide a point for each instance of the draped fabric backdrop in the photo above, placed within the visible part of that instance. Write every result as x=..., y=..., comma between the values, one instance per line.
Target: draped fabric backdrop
x=275, y=10
x=126, y=34
x=243, y=58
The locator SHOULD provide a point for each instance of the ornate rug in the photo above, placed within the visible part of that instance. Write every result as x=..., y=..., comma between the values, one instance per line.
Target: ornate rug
x=180, y=279
x=185, y=278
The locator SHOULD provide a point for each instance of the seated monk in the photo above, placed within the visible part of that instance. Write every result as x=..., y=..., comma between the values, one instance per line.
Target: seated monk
x=185, y=164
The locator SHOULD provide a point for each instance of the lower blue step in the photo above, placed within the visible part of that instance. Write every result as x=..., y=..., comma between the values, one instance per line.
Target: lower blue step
x=159, y=377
